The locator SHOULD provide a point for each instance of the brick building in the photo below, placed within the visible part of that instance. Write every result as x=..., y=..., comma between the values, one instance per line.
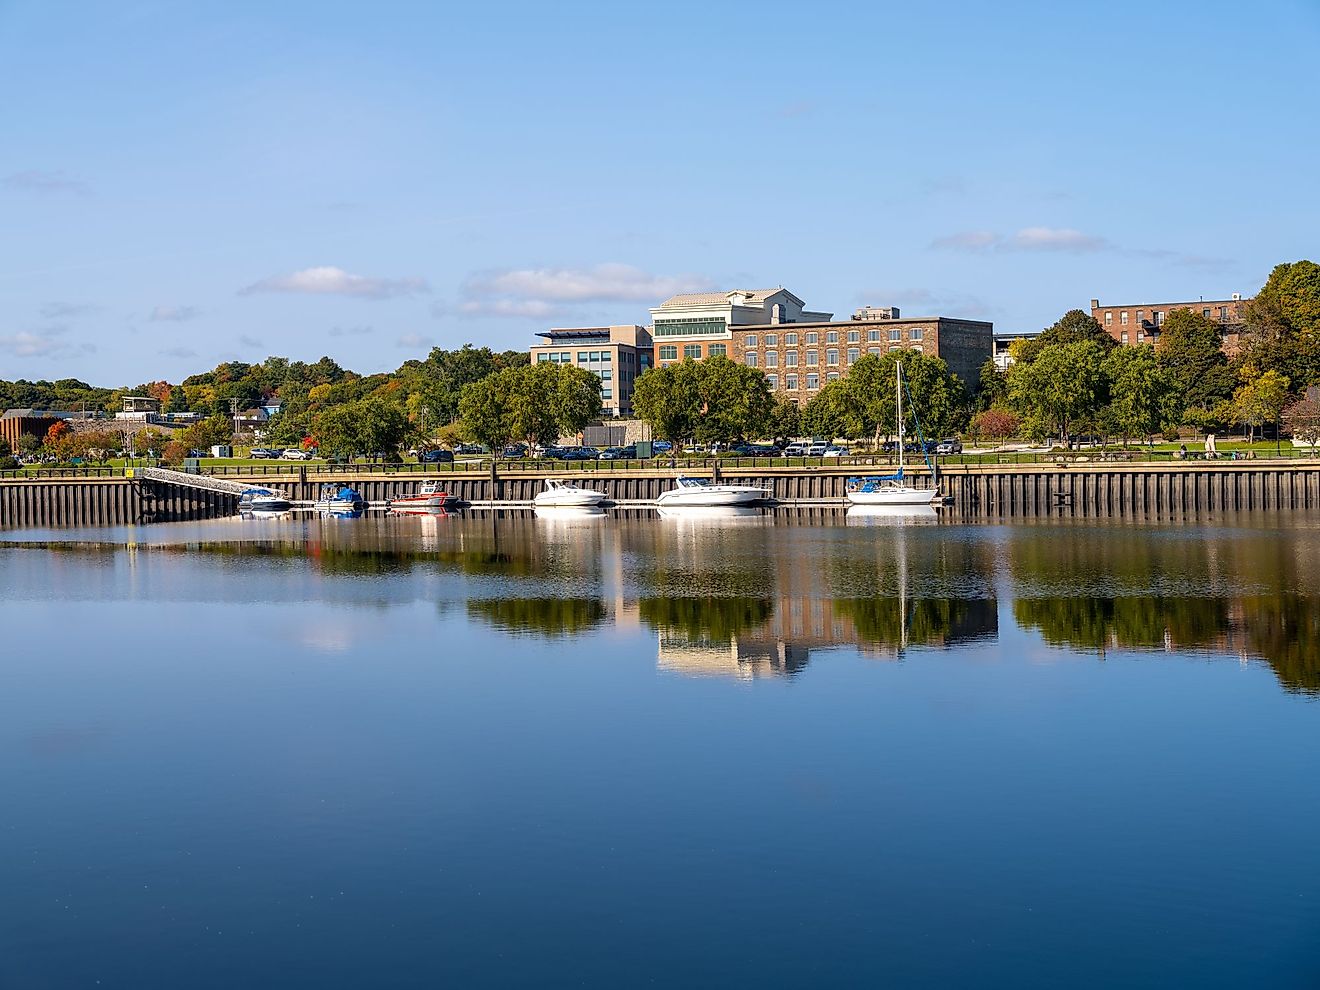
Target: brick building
x=1140, y=323
x=801, y=358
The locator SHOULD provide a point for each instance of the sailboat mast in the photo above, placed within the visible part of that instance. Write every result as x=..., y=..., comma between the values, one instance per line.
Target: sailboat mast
x=898, y=379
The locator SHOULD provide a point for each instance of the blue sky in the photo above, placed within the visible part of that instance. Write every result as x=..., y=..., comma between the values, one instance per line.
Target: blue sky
x=183, y=183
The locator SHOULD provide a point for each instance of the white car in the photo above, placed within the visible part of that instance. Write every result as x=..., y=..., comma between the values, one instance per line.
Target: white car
x=817, y=449
x=833, y=451
x=294, y=454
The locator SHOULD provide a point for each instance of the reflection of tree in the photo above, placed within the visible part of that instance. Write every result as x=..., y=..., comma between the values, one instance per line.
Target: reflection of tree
x=923, y=622
x=708, y=618
x=1092, y=623
x=544, y=616
x=1284, y=630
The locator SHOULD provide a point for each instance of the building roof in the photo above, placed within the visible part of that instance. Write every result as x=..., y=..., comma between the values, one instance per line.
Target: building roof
x=577, y=333
x=686, y=299
x=30, y=414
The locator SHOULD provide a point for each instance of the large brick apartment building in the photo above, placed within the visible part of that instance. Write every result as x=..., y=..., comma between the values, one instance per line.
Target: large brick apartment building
x=799, y=350
x=1140, y=323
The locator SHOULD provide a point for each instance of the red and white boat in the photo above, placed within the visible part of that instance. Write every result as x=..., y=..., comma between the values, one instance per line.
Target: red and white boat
x=428, y=498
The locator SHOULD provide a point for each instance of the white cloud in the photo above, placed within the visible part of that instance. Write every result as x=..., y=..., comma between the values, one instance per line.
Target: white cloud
x=41, y=181
x=328, y=280
x=541, y=293
x=413, y=341
x=25, y=344
x=1055, y=239
x=247, y=341
x=173, y=314
x=967, y=240
x=1063, y=239
x=179, y=352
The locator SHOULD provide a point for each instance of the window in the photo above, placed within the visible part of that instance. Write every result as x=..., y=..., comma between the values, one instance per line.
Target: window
x=606, y=393
x=872, y=336
x=690, y=328
x=832, y=356
x=812, y=338
x=750, y=360
x=566, y=357
x=1140, y=314
x=542, y=357
x=813, y=357
x=606, y=375
x=813, y=381
x=916, y=333
x=713, y=349
x=1159, y=317
x=873, y=350
x=895, y=335
x=790, y=340
x=749, y=341
x=668, y=352
x=692, y=351
x=772, y=381
x=1206, y=313
x=854, y=336
x=895, y=347
x=1122, y=318
x=1109, y=317
x=917, y=348
x=772, y=359
x=853, y=354
x=832, y=337
x=1223, y=312
x=606, y=357
x=832, y=376
x=1125, y=336
x=772, y=340
x=790, y=382
x=790, y=359
x=582, y=357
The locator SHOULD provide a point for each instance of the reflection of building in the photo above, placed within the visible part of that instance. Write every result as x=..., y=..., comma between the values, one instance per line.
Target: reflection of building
x=1140, y=323
x=616, y=355
x=738, y=658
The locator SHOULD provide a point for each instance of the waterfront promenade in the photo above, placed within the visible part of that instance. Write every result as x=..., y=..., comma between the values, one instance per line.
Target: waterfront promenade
x=1085, y=488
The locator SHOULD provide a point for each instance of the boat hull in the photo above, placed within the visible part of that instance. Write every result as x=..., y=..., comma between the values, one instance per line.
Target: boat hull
x=568, y=500
x=268, y=504
x=897, y=495
x=711, y=497
x=437, y=501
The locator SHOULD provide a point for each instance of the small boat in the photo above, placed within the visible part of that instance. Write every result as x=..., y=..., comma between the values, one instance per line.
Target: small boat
x=703, y=492
x=429, y=496
x=258, y=499
x=891, y=489
x=339, y=500
x=890, y=515
x=563, y=495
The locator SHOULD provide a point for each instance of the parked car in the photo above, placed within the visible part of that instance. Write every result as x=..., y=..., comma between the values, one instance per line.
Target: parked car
x=294, y=454
x=817, y=448
x=611, y=454
x=949, y=447
x=629, y=452
x=796, y=449
x=470, y=448
x=580, y=453
x=553, y=453
x=263, y=453
x=514, y=451
x=436, y=456
x=661, y=446
x=835, y=451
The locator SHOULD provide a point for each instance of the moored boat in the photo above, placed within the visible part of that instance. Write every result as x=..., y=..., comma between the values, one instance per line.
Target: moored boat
x=703, y=492
x=560, y=494
x=429, y=496
x=891, y=489
x=258, y=499
x=340, y=500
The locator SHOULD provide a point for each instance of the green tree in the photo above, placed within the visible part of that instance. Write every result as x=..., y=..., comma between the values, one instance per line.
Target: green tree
x=785, y=419
x=1303, y=419
x=933, y=395
x=372, y=426
x=534, y=403
x=1261, y=399
x=833, y=412
x=668, y=399
x=1144, y=397
x=208, y=432
x=1063, y=384
x=1190, y=351
x=1292, y=295
x=734, y=401
x=1073, y=327
x=992, y=389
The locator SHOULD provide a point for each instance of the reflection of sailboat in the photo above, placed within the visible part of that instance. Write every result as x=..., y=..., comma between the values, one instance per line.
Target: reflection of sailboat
x=891, y=515
x=569, y=514
x=711, y=513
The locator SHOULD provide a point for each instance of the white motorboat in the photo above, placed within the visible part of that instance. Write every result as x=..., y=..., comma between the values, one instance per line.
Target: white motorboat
x=890, y=489
x=259, y=499
x=703, y=492
x=340, y=501
x=560, y=494
x=429, y=496
x=569, y=514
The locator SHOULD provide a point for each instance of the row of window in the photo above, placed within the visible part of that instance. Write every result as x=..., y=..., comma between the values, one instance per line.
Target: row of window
x=583, y=357
x=669, y=352
x=894, y=335
x=791, y=381
x=690, y=328
x=1157, y=316
x=771, y=358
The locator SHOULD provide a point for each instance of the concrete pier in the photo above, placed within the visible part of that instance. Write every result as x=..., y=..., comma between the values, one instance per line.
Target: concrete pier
x=985, y=491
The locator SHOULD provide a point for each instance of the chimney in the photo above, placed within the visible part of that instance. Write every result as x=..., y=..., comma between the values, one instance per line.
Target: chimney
x=1095, y=304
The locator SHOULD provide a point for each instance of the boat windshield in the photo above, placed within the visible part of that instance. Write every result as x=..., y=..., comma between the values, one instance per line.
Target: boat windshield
x=693, y=483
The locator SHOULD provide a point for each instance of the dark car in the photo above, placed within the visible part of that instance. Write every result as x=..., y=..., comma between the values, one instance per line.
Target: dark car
x=469, y=448
x=580, y=453
x=662, y=446
x=264, y=453
x=611, y=454
x=436, y=457
x=514, y=451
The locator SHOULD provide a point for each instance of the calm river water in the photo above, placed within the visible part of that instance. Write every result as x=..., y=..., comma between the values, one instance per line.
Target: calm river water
x=779, y=750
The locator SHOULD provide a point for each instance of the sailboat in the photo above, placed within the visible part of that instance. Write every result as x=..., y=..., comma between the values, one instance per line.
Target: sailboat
x=891, y=489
